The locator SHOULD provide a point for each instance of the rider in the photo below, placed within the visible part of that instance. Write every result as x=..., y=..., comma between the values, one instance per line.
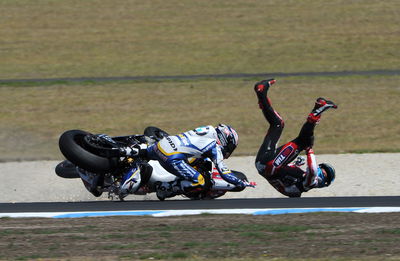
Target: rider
x=274, y=164
x=176, y=153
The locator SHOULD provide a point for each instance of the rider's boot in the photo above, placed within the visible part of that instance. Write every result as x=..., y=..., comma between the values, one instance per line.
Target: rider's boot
x=167, y=189
x=192, y=190
x=272, y=116
x=261, y=88
x=321, y=105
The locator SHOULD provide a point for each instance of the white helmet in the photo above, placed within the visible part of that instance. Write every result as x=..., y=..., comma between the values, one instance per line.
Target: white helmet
x=227, y=138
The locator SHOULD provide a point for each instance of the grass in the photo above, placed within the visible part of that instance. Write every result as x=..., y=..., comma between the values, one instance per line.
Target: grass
x=29, y=257
x=32, y=118
x=170, y=256
x=391, y=231
x=267, y=228
x=350, y=236
x=94, y=38
x=50, y=39
x=119, y=246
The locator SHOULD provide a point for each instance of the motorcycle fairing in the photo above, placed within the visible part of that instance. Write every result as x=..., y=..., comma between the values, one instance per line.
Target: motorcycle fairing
x=131, y=181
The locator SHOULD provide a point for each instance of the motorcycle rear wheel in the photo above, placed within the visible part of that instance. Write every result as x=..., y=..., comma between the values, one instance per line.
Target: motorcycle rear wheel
x=155, y=132
x=66, y=170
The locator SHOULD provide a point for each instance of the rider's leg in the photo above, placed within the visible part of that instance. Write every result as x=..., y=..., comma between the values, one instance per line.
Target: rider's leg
x=289, y=151
x=268, y=147
x=167, y=189
x=320, y=106
x=305, y=139
x=261, y=88
x=190, y=180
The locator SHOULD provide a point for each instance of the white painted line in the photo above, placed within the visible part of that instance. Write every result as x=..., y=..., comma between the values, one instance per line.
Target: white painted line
x=166, y=213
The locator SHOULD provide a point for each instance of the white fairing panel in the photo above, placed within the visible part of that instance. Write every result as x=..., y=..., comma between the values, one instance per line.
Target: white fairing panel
x=222, y=184
x=159, y=173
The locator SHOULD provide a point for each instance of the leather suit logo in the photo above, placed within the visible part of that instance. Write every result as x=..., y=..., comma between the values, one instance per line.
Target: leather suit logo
x=171, y=143
x=282, y=156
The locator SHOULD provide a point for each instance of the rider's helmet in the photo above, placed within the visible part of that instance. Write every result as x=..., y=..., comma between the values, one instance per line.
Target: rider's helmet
x=227, y=138
x=330, y=173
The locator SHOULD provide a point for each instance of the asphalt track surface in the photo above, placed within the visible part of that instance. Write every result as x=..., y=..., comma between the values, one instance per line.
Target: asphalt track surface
x=261, y=203
x=202, y=76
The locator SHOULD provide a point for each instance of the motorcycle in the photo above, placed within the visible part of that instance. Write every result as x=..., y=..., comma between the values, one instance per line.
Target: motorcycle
x=97, y=160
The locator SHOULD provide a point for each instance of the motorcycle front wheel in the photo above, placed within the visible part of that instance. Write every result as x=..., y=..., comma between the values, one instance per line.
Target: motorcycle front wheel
x=74, y=148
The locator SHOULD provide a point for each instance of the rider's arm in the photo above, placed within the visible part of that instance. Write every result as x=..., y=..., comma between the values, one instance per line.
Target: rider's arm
x=217, y=158
x=311, y=180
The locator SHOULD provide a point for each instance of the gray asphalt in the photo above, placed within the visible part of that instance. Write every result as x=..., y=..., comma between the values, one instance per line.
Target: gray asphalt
x=317, y=202
x=201, y=76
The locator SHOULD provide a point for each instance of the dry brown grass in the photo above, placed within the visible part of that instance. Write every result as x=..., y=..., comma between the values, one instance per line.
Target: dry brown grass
x=319, y=236
x=47, y=38
x=32, y=118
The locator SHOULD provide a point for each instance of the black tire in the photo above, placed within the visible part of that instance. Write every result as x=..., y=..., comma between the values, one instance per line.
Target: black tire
x=72, y=147
x=66, y=170
x=198, y=195
x=155, y=132
x=145, y=171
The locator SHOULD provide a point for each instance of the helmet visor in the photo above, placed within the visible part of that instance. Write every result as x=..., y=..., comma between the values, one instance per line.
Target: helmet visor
x=322, y=178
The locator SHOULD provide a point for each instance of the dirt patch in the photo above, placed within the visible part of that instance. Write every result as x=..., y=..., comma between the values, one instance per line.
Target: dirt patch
x=314, y=235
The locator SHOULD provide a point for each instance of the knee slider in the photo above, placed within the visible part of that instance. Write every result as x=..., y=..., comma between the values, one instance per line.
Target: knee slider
x=260, y=167
x=279, y=125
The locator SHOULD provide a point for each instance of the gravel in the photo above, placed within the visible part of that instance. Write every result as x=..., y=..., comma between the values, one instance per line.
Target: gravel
x=356, y=175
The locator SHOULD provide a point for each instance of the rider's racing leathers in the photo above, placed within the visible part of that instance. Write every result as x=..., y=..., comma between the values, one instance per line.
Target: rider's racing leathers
x=274, y=163
x=175, y=153
x=283, y=178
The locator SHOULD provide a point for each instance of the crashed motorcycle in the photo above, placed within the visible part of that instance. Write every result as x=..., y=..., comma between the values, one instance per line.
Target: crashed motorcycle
x=97, y=160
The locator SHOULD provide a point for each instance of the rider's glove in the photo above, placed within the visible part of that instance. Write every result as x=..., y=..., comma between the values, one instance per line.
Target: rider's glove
x=133, y=150
x=300, y=161
x=250, y=184
x=309, y=151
